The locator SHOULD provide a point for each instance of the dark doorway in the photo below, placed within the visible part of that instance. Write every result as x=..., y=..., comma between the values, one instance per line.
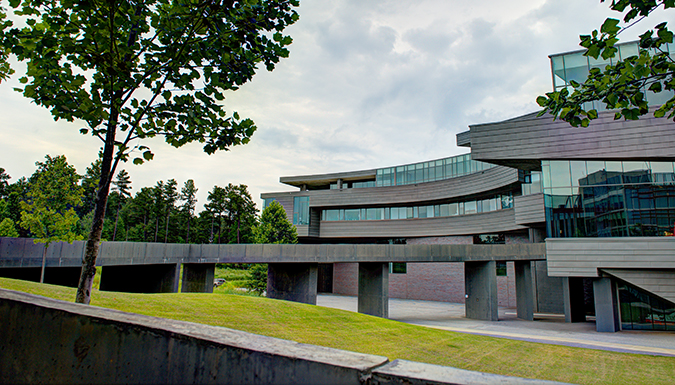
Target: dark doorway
x=325, y=278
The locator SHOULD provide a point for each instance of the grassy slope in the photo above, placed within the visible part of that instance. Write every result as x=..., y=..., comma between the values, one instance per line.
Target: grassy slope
x=352, y=331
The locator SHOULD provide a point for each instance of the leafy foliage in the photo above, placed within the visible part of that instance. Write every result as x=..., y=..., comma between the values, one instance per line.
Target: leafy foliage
x=7, y=228
x=54, y=193
x=135, y=70
x=257, y=278
x=275, y=227
x=620, y=86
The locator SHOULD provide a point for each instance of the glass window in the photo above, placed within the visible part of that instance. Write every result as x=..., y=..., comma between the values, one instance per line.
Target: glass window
x=375, y=214
x=409, y=212
x=470, y=207
x=331, y=215
x=352, y=214
x=398, y=268
x=560, y=173
x=453, y=209
x=558, y=70
x=507, y=201
x=501, y=269
x=301, y=210
x=422, y=212
x=576, y=67
x=445, y=210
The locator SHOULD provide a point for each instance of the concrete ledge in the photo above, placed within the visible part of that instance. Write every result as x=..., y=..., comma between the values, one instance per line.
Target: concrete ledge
x=51, y=341
x=413, y=373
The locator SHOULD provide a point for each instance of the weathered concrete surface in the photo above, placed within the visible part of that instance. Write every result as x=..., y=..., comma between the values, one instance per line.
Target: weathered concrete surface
x=524, y=290
x=374, y=289
x=50, y=341
x=295, y=282
x=416, y=373
x=480, y=281
x=606, y=305
x=21, y=252
x=198, y=277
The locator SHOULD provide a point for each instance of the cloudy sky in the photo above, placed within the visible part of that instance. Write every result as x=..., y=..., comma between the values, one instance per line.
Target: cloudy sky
x=368, y=84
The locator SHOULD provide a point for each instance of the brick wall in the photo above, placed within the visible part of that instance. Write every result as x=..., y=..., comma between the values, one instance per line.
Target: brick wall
x=441, y=281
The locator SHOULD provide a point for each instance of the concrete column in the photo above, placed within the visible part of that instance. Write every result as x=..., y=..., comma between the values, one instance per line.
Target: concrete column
x=295, y=282
x=606, y=306
x=536, y=235
x=374, y=289
x=198, y=277
x=573, y=299
x=480, y=281
x=160, y=278
x=524, y=290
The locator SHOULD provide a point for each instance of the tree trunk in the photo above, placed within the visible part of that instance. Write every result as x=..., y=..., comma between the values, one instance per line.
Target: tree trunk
x=93, y=243
x=44, y=260
x=166, y=233
x=188, y=232
x=117, y=217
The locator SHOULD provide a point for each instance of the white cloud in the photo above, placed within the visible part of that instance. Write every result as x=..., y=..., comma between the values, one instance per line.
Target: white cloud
x=368, y=84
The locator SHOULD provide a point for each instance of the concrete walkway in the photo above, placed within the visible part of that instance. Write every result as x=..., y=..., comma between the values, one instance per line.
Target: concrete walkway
x=547, y=328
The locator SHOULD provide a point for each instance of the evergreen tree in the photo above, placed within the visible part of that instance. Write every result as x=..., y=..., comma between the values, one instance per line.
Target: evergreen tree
x=188, y=195
x=170, y=198
x=122, y=186
x=241, y=214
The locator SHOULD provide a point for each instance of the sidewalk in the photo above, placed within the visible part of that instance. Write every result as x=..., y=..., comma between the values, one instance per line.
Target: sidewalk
x=547, y=328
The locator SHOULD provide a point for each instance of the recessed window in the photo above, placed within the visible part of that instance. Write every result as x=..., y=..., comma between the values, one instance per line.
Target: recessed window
x=398, y=268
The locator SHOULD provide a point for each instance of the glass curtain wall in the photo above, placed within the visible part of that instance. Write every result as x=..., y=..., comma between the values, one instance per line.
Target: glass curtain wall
x=643, y=311
x=574, y=66
x=609, y=198
x=429, y=171
x=497, y=202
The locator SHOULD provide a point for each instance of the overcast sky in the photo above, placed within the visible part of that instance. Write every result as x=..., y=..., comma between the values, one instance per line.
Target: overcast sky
x=368, y=84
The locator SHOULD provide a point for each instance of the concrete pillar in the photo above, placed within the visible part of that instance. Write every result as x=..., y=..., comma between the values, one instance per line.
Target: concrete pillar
x=606, y=306
x=536, y=235
x=295, y=282
x=160, y=278
x=524, y=290
x=374, y=289
x=198, y=277
x=573, y=299
x=480, y=281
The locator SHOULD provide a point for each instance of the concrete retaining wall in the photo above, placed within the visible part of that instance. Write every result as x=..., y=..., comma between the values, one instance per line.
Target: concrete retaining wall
x=50, y=341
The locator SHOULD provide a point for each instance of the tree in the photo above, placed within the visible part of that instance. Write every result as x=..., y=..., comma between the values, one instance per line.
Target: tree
x=122, y=187
x=216, y=207
x=188, y=195
x=49, y=212
x=134, y=70
x=620, y=86
x=241, y=214
x=170, y=198
x=7, y=228
x=4, y=184
x=274, y=227
x=90, y=182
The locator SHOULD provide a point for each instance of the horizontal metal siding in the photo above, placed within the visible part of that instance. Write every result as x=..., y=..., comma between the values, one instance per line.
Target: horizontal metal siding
x=497, y=221
x=533, y=138
x=582, y=257
x=661, y=283
x=529, y=209
x=483, y=182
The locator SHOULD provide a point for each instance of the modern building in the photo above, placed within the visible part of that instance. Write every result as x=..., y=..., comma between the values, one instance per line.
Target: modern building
x=602, y=198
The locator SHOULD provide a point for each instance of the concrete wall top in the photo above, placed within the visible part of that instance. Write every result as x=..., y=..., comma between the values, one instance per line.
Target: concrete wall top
x=98, y=345
x=130, y=253
x=582, y=257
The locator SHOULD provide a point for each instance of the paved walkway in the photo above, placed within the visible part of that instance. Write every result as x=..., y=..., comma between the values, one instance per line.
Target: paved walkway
x=547, y=328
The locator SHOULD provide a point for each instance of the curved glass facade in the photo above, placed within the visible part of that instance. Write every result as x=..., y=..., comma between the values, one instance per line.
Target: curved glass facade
x=609, y=198
x=498, y=202
x=574, y=66
x=429, y=171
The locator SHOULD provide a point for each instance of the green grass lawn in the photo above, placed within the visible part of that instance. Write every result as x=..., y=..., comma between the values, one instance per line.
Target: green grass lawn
x=361, y=333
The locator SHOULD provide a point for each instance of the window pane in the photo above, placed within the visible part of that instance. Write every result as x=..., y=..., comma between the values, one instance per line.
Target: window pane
x=470, y=207
x=352, y=214
x=560, y=173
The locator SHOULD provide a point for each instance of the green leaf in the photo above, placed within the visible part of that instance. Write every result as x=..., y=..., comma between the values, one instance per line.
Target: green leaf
x=83, y=131
x=542, y=101
x=592, y=114
x=610, y=26
x=148, y=155
x=138, y=161
x=655, y=87
x=659, y=113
